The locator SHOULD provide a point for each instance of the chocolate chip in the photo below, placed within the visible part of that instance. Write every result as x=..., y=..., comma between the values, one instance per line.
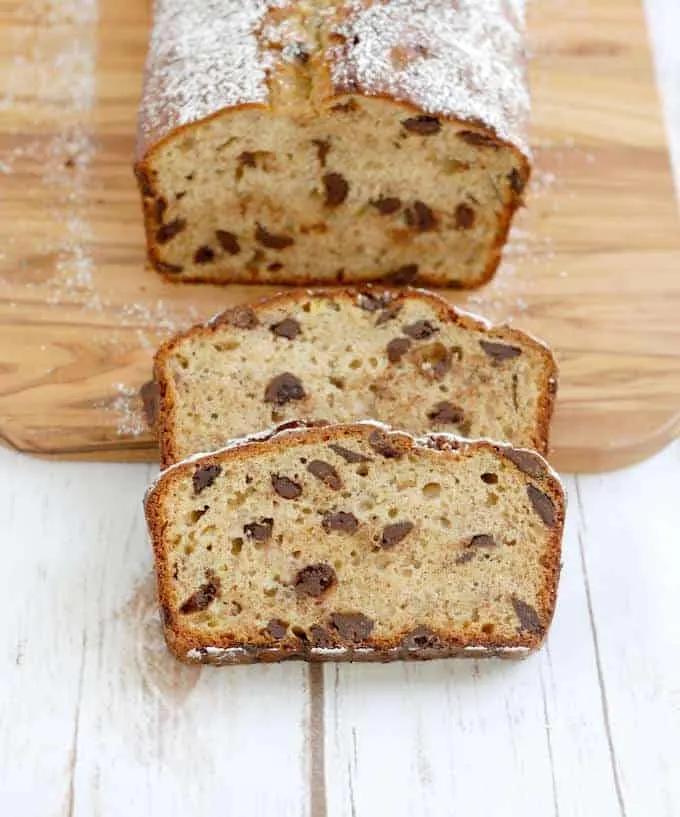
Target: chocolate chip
x=420, y=217
x=420, y=638
x=168, y=231
x=472, y=137
x=527, y=461
x=285, y=487
x=489, y=478
x=271, y=240
x=260, y=531
x=319, y=636
x=161, y=207
x=336, y=187
x=393, y=534
x=465, y=556
x=388, y=314
x=386, y=205
x=517, y=182
x=228, y=242
x=151, y=395
x=464, y=216
x=499, y=352
x=276, y=628
x=325, y=472
x=242, y=317
x=275, y=267
x=340, y=521
x=348, y=455
x=204, y=476
x=543, y=505
x=482, y=540
x=420, y=330
x=283, y=388
x=203, y=597
x=323, y=148
x=380, y=442
x=424, y=125
x=164, y=266
x=352, y=626
x=528, y=617
x=247, y=158
x=204, y=255
x=314, y=580
x=371, y=302
x=144, y=182
x=287, y=328
x=404, y=275
x=397, y=348
x=446, y=412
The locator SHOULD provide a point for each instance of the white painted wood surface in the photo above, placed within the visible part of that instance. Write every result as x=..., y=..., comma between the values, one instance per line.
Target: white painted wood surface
x=97, y=719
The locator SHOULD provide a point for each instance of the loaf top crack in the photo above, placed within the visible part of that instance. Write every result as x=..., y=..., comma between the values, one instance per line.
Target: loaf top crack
x=356, y=542
x=408, y=359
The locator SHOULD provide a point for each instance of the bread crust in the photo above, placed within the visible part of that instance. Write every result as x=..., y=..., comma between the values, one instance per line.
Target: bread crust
x=193, y=647
x=446, y=312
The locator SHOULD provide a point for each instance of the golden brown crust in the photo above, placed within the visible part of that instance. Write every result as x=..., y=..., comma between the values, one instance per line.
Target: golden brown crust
x=195, y=647
x=446, y=311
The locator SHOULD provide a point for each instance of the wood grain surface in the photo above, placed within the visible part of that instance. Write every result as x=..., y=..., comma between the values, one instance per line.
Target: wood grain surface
x=593, y=266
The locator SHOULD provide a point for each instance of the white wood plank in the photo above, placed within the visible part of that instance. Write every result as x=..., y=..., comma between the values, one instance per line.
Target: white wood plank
x=630, y=547
x=91, y=703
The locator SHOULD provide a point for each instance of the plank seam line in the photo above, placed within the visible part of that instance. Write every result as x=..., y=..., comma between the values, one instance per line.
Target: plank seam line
x=548, y=738
x=76, y=732
x=598, y=659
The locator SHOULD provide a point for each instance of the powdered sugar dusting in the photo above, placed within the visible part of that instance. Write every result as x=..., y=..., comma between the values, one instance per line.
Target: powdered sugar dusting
x=465, y=59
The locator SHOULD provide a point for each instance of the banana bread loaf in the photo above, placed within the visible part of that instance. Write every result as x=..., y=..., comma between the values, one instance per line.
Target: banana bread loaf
x=333, y=140
x=355, y=542
x=406, y=359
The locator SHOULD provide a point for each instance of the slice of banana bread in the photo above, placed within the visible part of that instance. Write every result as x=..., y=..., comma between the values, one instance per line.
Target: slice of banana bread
x=356, y=542
x=406, y=359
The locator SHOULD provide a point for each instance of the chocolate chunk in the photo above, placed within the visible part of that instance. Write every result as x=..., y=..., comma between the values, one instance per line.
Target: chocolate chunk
x=420, y=638
x=482, y=540
x=285, y=487
x=314, y=580
x=151, y=396
x=204, y=255
x=386, y=205
x=380, y=442
x=161, y=207
x=283, y=388
x=260, y=531
x=352, y=626
x=277, y=629
x=248, y=159
x=393, y=534
x=464, y=216
x=517, y=182
x=388, y=314
x=347, y=455
x=323, y=148
x=420, y=330
x=204, y=476
x=527, y=461
x=350, y=106
x=489, y=478
x=397, y=348
x=325, y=472
x=404, y=275
x=228, y=242
x=340, y=521
x=287, y=328
x=242, y=317
x=446, y=412
x=336, y=187
x=472, y=137
x=272, y=241
x=372, y=302
x=319, y=636
x=528, y=617
x=144, y=182
x=164, y=266
x=168, y=231
x=543, y=505
x=202, y=598
x=420, y=217
x=423, y=125
x=465, y=556
x=499, y=352
x=275, y=267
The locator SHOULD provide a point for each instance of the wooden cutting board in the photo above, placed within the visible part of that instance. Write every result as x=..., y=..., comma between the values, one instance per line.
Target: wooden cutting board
x=593, y=266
